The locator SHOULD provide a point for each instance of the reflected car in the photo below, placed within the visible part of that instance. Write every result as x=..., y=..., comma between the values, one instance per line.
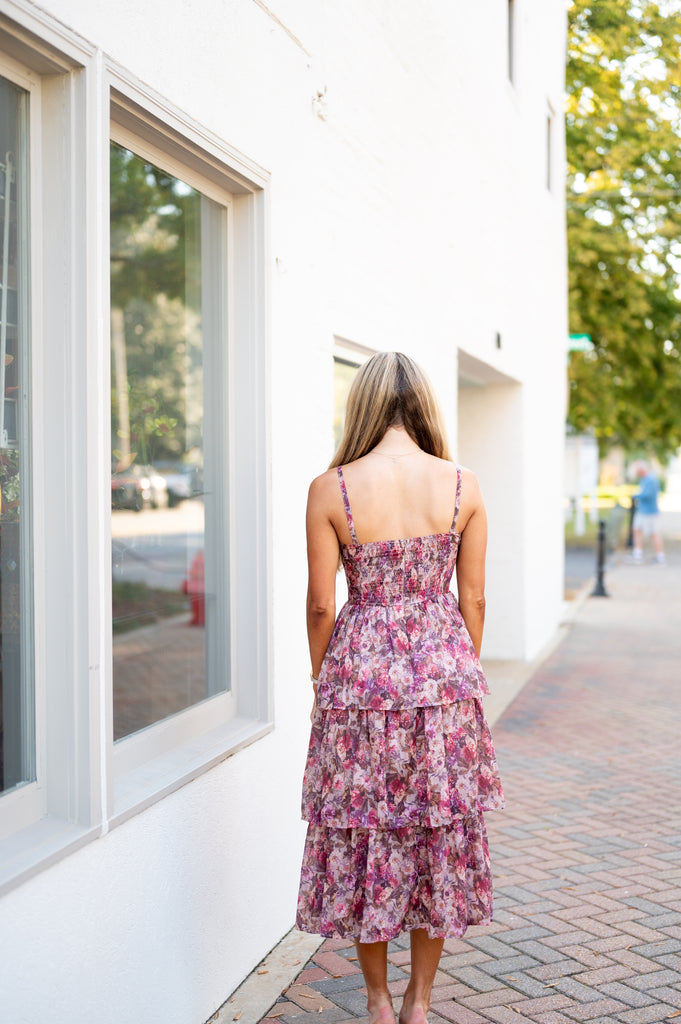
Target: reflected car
x=182, y=480
x=138, y=487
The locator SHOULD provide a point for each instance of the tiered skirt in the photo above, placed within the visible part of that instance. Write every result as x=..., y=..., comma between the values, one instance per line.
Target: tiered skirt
x=396, y=840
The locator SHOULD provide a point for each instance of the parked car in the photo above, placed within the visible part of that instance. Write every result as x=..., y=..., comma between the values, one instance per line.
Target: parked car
x=183, y=479
x=138, y=487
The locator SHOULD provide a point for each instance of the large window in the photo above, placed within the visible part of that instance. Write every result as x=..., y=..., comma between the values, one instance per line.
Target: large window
x=169, y=527
x=188, y=576
x=134, y=449
x=17, y=723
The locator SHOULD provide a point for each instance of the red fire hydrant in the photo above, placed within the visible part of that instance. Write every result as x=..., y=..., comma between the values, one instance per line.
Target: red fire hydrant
x=194, y=588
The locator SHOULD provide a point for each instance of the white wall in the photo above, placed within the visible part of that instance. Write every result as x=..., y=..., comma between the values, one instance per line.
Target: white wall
x=513, y=281
x=414, y=217
x=160, y=919
x=490, y=443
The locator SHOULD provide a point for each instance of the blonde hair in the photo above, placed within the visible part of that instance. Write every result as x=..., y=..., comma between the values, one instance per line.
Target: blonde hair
x=390, y=390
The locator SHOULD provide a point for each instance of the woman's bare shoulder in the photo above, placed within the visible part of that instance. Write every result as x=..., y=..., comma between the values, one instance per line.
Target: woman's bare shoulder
x=324, y=487
x=471, y=495
x=469, y=480
x=448, y=469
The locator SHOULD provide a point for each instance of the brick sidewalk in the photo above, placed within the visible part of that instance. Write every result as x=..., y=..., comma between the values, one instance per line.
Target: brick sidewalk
x=587, y=856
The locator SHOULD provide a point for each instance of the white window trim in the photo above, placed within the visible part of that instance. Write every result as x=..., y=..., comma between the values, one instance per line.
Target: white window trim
x=351, y=351
x=75, y=799
x=511, y=34
x=172, y=752
x=40, y=822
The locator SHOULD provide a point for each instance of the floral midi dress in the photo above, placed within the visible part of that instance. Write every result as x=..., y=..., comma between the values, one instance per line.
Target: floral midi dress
x=400, y=765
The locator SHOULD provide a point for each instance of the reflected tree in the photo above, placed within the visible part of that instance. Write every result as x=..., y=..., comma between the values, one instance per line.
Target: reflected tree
x=155, y=312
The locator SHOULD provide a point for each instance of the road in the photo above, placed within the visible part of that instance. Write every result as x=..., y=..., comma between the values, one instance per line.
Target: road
x=156, y=546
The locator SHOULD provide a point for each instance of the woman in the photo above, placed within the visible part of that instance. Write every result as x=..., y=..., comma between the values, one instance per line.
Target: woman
x=400, y=764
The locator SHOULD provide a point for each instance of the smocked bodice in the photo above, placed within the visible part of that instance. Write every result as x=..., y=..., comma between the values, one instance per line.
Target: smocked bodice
x=389, y=572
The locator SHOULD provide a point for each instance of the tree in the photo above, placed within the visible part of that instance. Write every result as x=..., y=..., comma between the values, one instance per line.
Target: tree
x=623, y=135
x=156, y=399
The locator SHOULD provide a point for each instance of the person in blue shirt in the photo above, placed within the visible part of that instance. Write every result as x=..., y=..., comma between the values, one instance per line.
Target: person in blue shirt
x=647, y=516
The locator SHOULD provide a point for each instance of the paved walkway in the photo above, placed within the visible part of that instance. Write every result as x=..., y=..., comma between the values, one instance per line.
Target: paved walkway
x=587, y=855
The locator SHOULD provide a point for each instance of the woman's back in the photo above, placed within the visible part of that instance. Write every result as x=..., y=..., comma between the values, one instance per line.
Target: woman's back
x=412, y=496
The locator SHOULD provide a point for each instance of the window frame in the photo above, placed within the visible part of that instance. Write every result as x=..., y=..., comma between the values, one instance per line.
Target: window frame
x=42, y=821
x=511, y=27
x=76, y=797
x=349, y=353
x=27, y=802
x=169, y=753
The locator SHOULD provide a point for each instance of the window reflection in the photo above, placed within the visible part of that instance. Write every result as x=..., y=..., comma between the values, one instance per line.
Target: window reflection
x=160, y=592
x=344, y=371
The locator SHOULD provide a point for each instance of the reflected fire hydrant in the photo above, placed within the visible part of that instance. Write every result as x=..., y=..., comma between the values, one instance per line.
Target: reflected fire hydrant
x=194, y=588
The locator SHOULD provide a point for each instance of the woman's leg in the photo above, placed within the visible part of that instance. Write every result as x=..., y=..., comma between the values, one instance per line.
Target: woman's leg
x=425, y=957
x=373, y=959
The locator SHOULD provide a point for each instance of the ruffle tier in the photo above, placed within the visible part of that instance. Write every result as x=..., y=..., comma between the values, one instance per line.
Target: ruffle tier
x=372, y=884
x=408, y=654
x=424, y=766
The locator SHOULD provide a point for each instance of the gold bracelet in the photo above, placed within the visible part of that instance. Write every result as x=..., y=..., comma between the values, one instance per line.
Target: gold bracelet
x=313, y=678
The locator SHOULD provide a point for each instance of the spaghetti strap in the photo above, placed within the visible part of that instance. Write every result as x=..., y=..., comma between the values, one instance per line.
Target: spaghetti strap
x=457, y=500
x=348, y=511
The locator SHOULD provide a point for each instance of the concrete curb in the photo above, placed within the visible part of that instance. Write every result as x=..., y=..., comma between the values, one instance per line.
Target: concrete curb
x=261, y=989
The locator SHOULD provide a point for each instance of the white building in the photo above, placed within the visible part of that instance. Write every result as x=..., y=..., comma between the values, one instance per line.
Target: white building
x=279, y=183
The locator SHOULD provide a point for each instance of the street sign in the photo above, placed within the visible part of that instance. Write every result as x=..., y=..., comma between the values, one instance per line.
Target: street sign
x=580, y=343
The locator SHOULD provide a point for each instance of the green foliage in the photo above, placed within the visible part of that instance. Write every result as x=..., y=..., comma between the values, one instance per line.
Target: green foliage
x=623, y=133
x=155, y=287
x=146, y=424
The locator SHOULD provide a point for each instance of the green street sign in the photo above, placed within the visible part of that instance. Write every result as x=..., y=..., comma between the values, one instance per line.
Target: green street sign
x=580, y=343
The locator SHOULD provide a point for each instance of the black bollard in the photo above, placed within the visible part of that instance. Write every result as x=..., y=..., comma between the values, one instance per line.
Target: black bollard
x=599, y=590
x=630, y=535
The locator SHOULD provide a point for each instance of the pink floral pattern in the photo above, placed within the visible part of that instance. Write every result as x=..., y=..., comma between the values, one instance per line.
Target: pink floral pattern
x=400, y=765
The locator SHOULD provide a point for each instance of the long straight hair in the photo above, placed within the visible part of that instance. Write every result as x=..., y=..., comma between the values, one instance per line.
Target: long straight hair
x=390, y=389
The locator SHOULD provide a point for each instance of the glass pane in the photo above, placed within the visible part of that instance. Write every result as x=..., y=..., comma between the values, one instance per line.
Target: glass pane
x=17, y=720
x=343, y=375
x=166, y=602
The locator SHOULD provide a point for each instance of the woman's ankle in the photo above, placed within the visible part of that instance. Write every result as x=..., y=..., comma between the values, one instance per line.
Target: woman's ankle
x=414, y=1008
x=375, y=1002
x=380, y=1009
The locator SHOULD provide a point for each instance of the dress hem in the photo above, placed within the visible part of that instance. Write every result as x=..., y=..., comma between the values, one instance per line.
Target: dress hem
x=356, y=933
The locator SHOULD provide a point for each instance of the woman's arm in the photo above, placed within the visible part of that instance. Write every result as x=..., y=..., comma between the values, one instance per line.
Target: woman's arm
x=470, y=565
x=322, y=562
